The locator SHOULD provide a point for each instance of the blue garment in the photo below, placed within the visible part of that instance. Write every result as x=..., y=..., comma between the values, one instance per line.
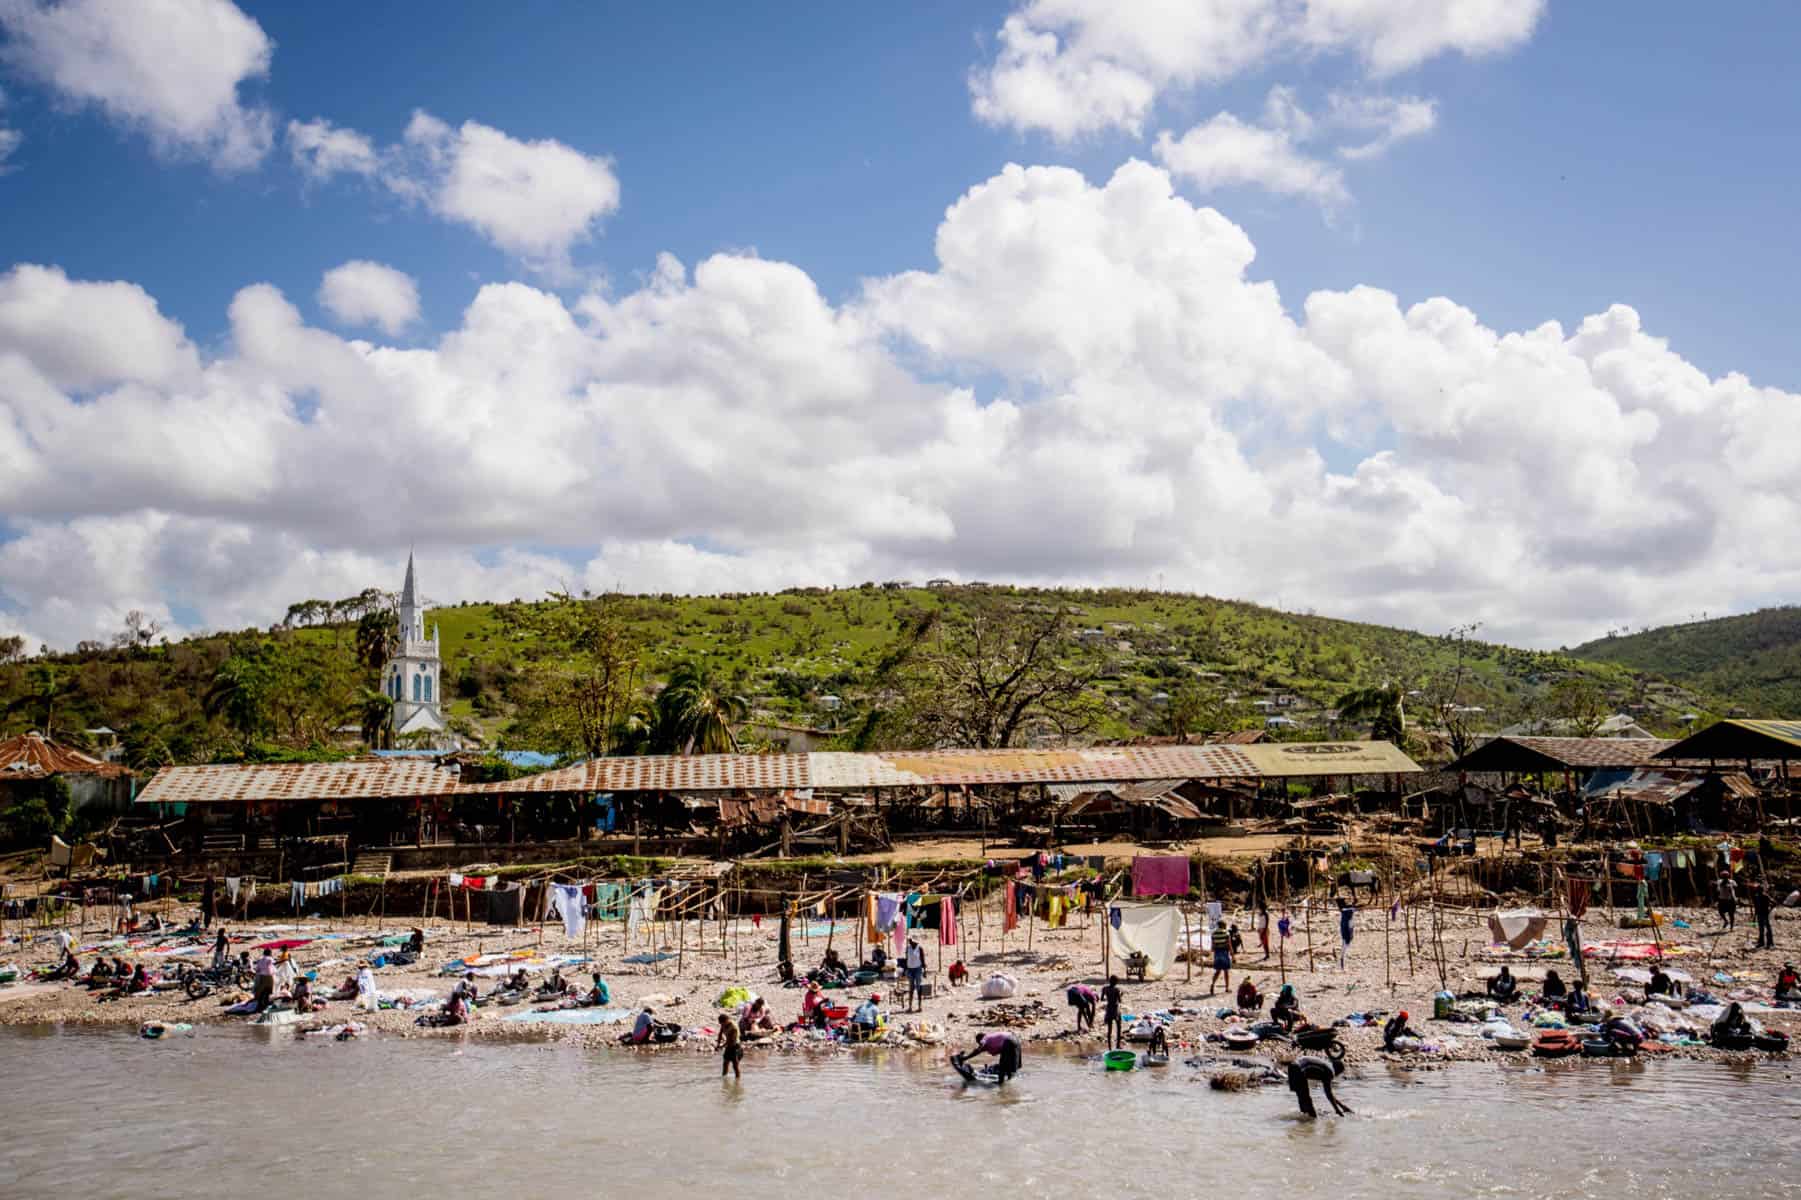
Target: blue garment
x=1344, y=924
x=887, y=908
x=1113, y=917
x=1653, y=866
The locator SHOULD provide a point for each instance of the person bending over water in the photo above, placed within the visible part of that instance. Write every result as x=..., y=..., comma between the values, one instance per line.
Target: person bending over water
x=1083, y=999
x=1304, y=1071
x=1249, y=998
x=1006, y=1051
x=1788, y=983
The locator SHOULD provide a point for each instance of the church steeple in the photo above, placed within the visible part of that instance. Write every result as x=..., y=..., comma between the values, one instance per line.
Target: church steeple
x=412, y=621
x=414, y=678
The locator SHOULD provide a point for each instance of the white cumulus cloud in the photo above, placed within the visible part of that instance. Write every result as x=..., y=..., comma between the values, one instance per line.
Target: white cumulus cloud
x=1090, y=384
x=360, y=292
x=172, y=68
x=1225, y=151
x=1074, y=67
x=536, y=200
x=321, y=150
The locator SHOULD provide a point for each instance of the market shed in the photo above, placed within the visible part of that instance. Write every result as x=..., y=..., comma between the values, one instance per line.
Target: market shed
x=1740, y=741
x=1512, y=755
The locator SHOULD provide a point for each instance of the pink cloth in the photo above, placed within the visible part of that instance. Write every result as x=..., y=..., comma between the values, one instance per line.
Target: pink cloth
x=1159, y=875
x=900, y=932
x=1010, y=915
x=947, y=923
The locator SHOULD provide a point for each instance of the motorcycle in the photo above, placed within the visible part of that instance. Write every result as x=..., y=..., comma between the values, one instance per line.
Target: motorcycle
x=199, y=982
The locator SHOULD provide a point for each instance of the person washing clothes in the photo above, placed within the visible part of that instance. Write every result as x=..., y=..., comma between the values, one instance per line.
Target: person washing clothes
x=1397, y=1027
x=1308, y=1069
x=263, y=986
x=1006, y=1051
x=1504, y=987
x=866, y=1021
x=1083, y=999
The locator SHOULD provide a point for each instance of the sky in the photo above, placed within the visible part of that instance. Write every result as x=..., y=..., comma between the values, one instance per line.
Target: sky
x=1415, y=311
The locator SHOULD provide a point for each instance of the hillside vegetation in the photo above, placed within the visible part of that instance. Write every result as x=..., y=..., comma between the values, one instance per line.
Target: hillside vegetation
x=1754, y=659
x=809, y=658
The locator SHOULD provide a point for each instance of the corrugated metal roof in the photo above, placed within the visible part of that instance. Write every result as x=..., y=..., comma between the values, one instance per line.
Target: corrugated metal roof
x=832, y=771
x=1740, y=740
x=244, y=782
x=1559, y=753
x=668, y=773
x=34, y=756
x=925, y=768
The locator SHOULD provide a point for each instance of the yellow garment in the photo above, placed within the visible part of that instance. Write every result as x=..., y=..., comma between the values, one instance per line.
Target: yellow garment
x=1053, y=913
x=875, y=935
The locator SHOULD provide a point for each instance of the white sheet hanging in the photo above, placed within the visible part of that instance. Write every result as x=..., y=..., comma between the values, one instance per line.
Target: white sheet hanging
x=1151, y=929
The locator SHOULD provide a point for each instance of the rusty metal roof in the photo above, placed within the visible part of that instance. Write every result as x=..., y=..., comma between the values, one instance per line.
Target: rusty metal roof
x=246, y=782
x=927, y=768
x=667, y=773
x=34, y=756
x=832, y=771
x=1559, y=754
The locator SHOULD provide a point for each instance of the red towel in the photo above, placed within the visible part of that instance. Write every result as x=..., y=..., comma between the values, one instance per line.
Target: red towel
x=947, y=923
x=1159, y=875
x=1011, y=918
x=1578, y=897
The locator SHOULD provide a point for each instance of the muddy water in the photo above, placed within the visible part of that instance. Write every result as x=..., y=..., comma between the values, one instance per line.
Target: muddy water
x=231, y=1113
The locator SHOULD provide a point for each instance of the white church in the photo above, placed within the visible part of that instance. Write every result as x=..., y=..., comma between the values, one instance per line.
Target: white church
x=415, y=674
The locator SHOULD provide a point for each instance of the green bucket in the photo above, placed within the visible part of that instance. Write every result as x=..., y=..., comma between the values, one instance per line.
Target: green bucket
x=1120, y=1060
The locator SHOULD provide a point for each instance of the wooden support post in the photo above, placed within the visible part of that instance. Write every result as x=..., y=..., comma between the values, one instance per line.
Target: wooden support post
x=1187, y=945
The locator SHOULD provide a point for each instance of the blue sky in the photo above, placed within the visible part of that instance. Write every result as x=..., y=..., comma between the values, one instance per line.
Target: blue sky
x=1651, y=161
x=1574, y=160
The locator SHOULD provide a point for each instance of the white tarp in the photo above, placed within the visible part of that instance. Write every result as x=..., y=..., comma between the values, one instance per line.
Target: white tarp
x=1151, y=929
x=1516, y=927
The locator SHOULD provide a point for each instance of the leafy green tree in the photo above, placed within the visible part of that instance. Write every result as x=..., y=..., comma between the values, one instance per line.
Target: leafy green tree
x=1382, y=706
x=242, y=691
x=988, y=673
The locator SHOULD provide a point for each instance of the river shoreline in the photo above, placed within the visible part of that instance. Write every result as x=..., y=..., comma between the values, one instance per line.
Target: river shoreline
x=1375, y=979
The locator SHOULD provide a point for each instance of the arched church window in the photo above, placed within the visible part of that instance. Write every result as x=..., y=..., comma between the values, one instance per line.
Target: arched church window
x=416, y=688
x=428, y=689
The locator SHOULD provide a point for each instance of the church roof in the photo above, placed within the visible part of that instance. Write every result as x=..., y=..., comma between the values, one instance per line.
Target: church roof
x=424, y=719
x=34, y=756
x=408, y=596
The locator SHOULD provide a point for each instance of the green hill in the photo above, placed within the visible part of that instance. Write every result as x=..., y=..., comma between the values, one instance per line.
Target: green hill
x=1754, y=659
x=810, y=658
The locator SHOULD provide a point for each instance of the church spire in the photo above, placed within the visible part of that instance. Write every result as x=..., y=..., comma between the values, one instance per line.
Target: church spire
x=407, y=599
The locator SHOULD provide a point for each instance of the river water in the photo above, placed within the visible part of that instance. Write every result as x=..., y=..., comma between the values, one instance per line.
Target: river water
x=229, y=1112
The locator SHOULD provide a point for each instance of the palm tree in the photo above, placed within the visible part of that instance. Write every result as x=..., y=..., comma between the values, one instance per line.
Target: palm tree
x=375, y=712
x=694, y=716
x=1382, y=707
